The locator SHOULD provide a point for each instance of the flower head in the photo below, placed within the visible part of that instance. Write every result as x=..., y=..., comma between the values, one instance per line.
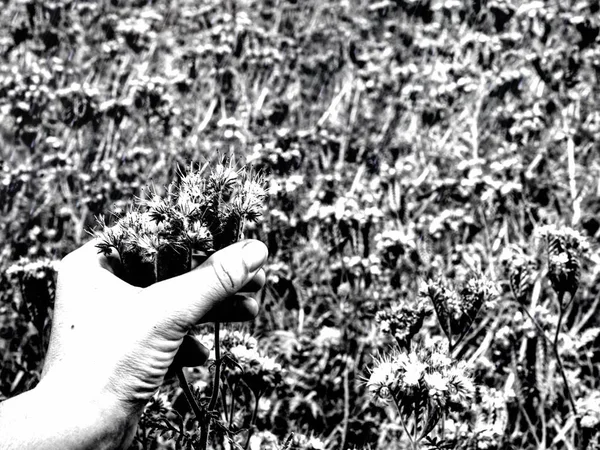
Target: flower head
x=565, y=246
x=203, y=212
x=382, y=380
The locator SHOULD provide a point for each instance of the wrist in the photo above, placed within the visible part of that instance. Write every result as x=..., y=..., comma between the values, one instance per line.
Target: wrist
x=100, y=420
x=49, y=418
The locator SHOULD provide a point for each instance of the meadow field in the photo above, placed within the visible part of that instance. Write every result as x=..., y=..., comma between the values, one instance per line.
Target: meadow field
x=432, y=209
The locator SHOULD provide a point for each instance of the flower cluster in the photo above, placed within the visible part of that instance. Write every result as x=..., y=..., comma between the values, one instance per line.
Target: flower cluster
x=521, y=270
x=565, y=247
x=424, y=384
x=246, y=363
x=199, y=214
x=456, y=311
x=402, y=321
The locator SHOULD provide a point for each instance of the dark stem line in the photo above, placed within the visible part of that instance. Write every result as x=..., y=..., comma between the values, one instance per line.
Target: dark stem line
x=188, y=394
x=205, y=425
x=346, y=419
x=561, y=295
x=217, y=380
x=232, y=409
x=253, y=420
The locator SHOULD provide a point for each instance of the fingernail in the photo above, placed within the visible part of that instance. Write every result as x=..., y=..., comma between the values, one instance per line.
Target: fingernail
x=254, y=254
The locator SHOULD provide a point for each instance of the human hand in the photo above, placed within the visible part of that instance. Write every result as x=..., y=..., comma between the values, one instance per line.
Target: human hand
x=112, y=343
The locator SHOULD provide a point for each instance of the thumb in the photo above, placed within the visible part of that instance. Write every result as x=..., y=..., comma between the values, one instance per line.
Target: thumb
x=192, y=295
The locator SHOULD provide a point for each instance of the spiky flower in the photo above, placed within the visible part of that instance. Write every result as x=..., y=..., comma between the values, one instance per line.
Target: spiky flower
x=383, y=379
x=424, y=384
x=565, y=246
x=198, y=214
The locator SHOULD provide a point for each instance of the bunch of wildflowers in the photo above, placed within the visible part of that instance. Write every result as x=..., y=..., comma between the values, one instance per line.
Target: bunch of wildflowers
x=246, y=363
x=201, y=213
x=198, y=215
x=424, y=385
x=402, y=321
x=456, y=311
x=245, y=367
x=564, y=246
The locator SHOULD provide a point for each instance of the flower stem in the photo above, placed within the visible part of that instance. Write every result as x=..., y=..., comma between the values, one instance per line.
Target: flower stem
x=561, y=295
x=253, y=420
x=217, y=380
x=403, y=422
x=205, y=425
x=188, y=394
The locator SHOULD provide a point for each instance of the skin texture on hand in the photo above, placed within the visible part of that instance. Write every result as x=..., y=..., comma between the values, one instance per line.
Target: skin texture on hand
x=112, y=344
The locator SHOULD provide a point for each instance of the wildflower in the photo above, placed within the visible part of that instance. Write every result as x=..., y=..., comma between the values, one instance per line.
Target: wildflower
x=413, y=368
x=564, y=246
x=201, y=213
x=243, y=354
x=423, y=383
x=436, y=383
x=457, y=311
x=460, y=386
x=382, y=380
x=258, y=371
x=440, y=360
x=402, y=321
x=520, y=269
